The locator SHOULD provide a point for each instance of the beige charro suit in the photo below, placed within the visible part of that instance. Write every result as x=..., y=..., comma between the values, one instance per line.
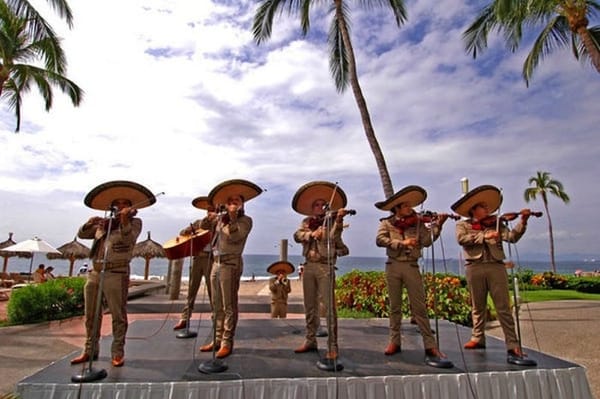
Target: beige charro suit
x=485, y=271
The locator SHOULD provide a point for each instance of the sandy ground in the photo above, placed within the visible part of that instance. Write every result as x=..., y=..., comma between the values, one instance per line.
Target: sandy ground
x=564, y=329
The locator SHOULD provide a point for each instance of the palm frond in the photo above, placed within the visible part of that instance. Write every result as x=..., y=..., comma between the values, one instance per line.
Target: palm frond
x=475, y=37
x=338, y=62
x=554, y=35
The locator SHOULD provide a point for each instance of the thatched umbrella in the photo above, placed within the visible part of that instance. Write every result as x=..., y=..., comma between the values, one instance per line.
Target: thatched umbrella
x=148, y=249
x=72, y=251
x=10, y=254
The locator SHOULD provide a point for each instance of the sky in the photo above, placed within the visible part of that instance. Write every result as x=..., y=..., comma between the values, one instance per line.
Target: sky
x=178, y=98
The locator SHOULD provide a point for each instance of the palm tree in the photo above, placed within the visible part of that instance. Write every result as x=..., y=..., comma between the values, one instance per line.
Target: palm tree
x=20, y=52
x=544, y=185
x=342, y=63
x=38, y=27
x=563, y=23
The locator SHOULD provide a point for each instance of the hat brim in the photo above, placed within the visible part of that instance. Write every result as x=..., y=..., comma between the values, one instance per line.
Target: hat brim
x=102, y=196
x=413, y=195
x=246, y=189
x=283, y=266
x=202, y=202
x=318, y=190
x=489, y=194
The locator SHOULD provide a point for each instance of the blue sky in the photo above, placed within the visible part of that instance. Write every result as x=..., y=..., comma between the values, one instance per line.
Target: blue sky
x=180, y=98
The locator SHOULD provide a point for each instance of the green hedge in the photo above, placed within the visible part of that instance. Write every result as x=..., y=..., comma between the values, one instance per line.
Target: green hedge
x=53, y=300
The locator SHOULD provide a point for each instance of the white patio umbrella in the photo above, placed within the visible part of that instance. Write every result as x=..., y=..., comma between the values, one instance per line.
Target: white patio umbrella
x=33, y=245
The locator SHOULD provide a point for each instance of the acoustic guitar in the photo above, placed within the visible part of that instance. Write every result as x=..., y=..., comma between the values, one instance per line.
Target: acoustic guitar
x=184, y=246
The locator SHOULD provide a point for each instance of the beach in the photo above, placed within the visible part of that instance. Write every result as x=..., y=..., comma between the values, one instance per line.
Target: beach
x=564, y=329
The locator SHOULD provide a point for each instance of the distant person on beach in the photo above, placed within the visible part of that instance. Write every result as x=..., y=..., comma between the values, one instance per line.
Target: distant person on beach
x=231, y=228
x=48, y=273
x=38, y=275
x=323, y=205
x=83, y=270
x=280, y=287
x=111, y=253
x=201, y=265
x=404, y=234
x=481, y=237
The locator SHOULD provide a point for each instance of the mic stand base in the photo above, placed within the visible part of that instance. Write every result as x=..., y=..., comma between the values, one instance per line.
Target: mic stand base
x=187, y=333
x=212, y=366
x=89, y=375
x=329, y=365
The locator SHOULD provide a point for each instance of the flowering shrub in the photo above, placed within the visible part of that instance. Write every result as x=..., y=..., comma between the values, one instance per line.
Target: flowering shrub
x=53, y=300
x=549, y=280
x=367, y=291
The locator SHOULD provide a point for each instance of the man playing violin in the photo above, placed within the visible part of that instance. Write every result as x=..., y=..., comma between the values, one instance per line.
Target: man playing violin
x=321, y=238
x=231, y=229
x=404, y=234
x=481, y=236
x=112, y=250
x=201, y=265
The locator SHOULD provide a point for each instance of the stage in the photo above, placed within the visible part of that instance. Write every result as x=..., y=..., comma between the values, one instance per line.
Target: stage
x=263, y=365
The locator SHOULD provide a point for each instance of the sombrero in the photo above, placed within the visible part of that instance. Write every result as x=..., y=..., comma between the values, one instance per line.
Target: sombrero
x=281, y=265
x=247, y=190
x=318, y=190
x=413, y=195
x=202, y=202
x=102, y=196
x=486, y=193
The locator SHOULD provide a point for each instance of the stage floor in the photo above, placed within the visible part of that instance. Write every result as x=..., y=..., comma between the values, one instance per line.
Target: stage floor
x=157, y=364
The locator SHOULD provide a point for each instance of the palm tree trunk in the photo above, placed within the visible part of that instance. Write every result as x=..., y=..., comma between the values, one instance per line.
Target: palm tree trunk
x=386, y=181
x=588, y=42
x=552, y=262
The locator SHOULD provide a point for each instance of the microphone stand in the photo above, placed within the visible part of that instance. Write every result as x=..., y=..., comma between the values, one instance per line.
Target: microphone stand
x=187, y=333
x=326, y=364
x=90, y=374
x=519, y=361
x=438, y=362
x=214, y=365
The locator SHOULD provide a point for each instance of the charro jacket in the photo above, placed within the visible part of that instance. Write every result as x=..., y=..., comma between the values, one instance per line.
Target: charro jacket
x=391, y=237
x=476, y=249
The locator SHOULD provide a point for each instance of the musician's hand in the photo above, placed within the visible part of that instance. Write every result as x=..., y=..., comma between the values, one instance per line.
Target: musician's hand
x=126, y=214
x=441, y=218
x=491, y=234
x=318, y=233
x=212, y=216
x=525, y=213
x=409, y=242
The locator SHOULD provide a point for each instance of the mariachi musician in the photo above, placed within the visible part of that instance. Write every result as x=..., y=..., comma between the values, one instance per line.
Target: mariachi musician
x=404, y=234
x=481, y=235
x=320, y=234
x=280, y=287
x=201, y=265
x=112, y=249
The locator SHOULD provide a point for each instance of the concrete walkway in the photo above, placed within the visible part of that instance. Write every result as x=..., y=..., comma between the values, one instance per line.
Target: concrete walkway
x=565, y=329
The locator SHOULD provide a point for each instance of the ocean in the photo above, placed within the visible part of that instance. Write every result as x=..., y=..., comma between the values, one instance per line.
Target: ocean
x=255, y=266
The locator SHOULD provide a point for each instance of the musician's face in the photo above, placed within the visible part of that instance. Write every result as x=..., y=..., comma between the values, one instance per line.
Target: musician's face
x=318, y=207
x=121, y=203
x=235, y=200
x=404, y=209
x=480, y=211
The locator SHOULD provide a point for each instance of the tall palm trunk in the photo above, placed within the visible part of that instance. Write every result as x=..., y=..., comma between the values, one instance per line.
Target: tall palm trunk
x=552, y=262
x=388, y=189
x=591, y=48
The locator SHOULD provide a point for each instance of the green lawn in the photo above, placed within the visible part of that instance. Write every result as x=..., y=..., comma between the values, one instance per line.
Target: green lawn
x=556, y=295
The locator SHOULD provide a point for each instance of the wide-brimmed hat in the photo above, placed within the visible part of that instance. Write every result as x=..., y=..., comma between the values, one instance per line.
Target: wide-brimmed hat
x=318, y=190
x=202, y=202
x=244, y=188
x=281, y=266
x=102, y=196
x=413, y=195
x=486, y=193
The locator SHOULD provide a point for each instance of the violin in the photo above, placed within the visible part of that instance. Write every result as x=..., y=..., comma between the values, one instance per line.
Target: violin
x=317, y=221
x=492, y=220
x=115, y=221
x=412, y=220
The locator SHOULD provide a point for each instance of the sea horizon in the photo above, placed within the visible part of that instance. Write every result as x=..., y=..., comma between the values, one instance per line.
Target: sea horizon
x=255, y=265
